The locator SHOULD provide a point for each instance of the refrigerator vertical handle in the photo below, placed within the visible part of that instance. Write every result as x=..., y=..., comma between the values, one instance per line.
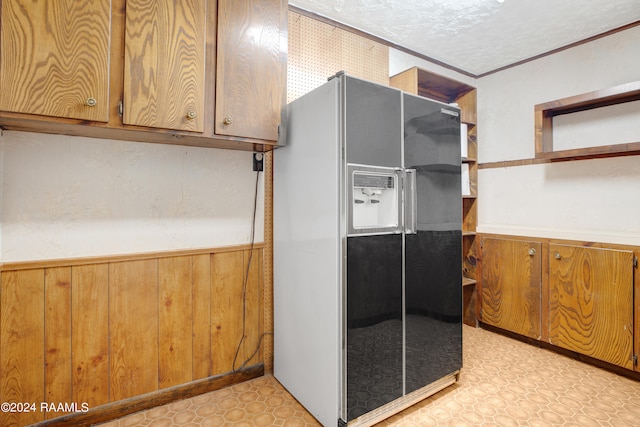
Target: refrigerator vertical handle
x=410, y=202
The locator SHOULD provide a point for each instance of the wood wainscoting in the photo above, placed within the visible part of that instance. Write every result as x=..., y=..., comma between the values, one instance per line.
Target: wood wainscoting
x=102, y=330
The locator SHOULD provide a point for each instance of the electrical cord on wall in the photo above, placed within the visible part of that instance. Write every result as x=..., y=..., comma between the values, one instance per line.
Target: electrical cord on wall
x=245, y=280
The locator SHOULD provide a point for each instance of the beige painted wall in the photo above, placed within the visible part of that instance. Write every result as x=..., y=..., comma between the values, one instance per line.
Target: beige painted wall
x=592, y=200
x=66, y=196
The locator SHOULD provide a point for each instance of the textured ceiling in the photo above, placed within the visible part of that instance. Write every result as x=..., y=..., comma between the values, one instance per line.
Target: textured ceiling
x=479, y=36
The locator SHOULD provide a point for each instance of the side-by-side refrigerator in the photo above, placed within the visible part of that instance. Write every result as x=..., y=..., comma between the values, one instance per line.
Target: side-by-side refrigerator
x=367, y=250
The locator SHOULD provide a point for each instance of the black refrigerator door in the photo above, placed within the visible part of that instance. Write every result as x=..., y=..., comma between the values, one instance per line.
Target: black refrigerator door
x=374, y=322
x=433, y=255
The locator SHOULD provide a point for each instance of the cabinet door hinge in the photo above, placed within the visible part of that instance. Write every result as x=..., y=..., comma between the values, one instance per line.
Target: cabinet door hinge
x=635, y=262
x=120, y=108
x=635, y=360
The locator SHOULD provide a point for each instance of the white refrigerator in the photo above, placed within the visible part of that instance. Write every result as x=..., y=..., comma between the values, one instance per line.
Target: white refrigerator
x=367, y=250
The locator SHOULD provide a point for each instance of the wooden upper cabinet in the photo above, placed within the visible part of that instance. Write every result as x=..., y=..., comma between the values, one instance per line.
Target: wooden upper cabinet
x=189, y=72
x=591, y=302
x=164, y=67
x=54, y=58
x=250, y=78
x=511, y=285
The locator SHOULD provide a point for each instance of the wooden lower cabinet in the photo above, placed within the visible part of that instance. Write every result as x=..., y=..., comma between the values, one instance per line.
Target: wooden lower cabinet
x=110, y=330
x=511, y=285
x=591, y=302
x=574, y=295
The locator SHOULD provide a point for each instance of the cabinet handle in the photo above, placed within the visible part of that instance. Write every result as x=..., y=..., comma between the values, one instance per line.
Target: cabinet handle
x=227, y=120
x=91, y=102
x=558, y=255
x=191, y=115
x=532, y=251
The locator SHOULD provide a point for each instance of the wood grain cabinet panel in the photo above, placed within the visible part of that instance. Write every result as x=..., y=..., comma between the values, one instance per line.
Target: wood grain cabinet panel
x=164, y=73
x=511, y=285
x=54, y=58
x=188, y=72
x=591, y=302
x=250, y=80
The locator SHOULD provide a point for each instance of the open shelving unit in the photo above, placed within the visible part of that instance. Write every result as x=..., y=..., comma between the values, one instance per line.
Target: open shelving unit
x=434, y=86
x=545, y=113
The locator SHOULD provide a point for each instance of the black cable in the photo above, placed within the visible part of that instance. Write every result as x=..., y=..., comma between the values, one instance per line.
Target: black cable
x=244, y=285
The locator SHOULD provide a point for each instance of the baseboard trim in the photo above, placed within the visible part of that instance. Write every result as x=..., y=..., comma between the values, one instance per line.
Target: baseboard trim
x=121, y=408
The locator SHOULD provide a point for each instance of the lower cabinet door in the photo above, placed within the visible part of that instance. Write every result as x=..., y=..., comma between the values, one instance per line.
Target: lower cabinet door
x=511, y=285
x=591, y=302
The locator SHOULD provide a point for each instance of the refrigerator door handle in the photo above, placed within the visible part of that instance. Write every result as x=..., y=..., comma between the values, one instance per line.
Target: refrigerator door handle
x=410, y=202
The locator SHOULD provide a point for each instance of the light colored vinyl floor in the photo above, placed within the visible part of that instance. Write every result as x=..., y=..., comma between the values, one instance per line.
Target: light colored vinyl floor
x=504, y=382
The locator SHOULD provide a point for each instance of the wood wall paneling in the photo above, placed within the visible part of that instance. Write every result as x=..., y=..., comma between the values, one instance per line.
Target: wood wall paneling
x=109, y=330
x=22, y=333
x=591, y=302
x=226, y=309
x=202, y=316
x=133, y=327
x=57, y=349
x=90, y=333
x=253, y=350
x=235, y=325
x=175, y=312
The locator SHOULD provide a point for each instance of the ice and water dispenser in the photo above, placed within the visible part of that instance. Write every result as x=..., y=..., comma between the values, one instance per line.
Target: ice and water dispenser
x=375, y=197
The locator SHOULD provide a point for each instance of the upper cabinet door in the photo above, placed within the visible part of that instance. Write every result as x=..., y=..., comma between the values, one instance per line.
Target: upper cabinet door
x=591, y=302
x=250, y=79
x=54, y=58
x=164, y=64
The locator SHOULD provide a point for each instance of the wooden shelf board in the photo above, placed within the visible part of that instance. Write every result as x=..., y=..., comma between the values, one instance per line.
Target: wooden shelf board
x=466, y=281
x=544, y=114
x=630, y=149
